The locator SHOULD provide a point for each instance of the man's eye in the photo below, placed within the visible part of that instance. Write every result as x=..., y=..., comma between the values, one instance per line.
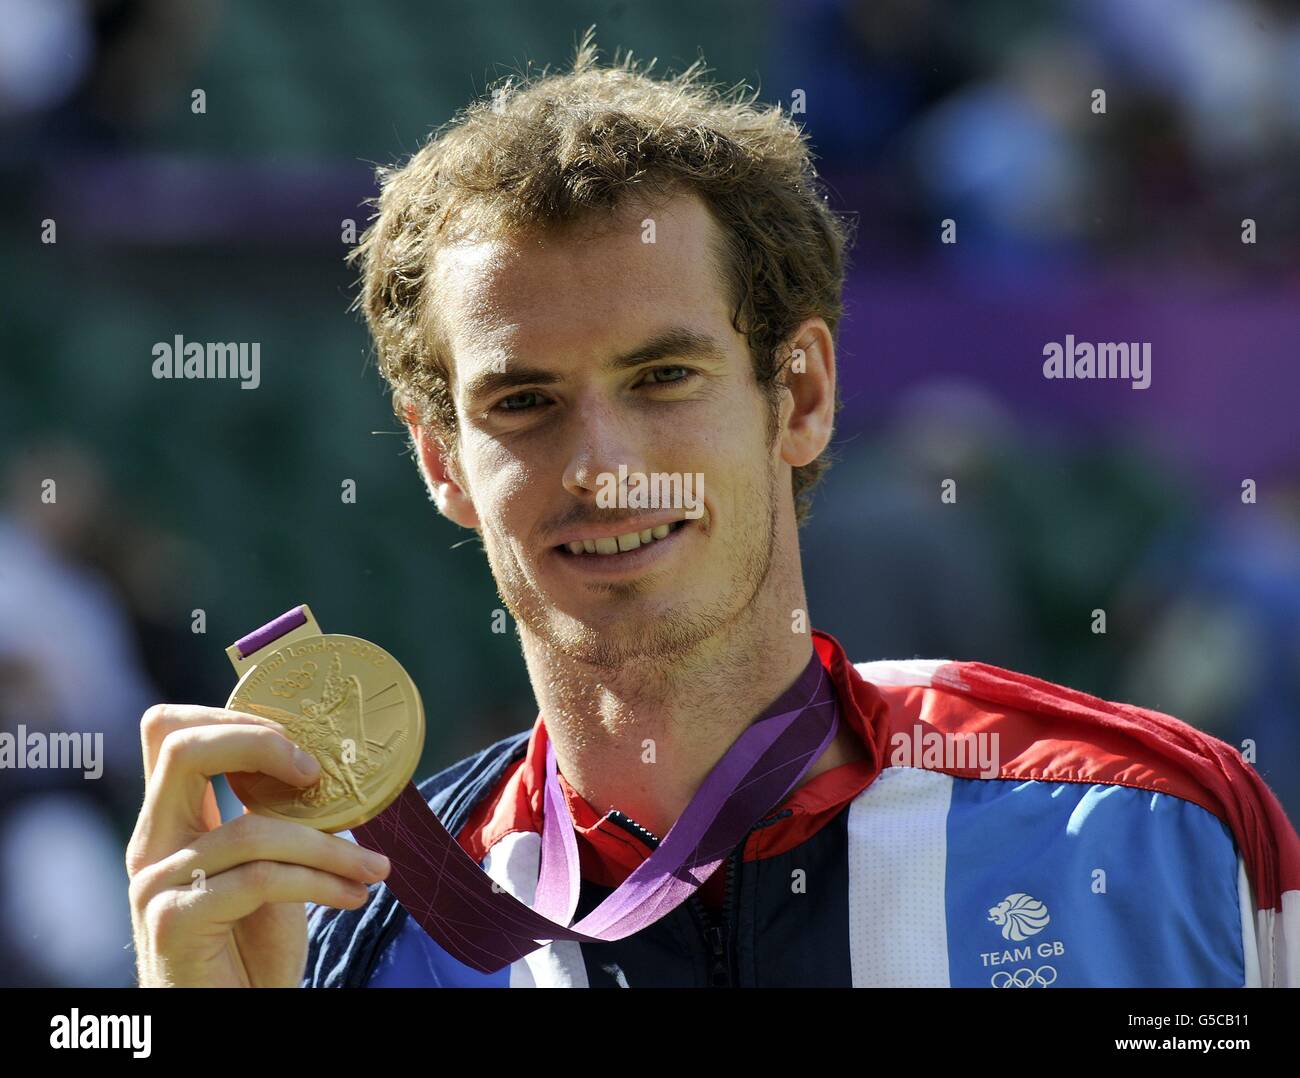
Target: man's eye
x=505, y=405
x=525, y=400
x=685, y=373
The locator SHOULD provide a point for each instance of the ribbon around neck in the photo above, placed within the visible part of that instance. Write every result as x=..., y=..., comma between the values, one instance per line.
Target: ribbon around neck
x=465, y=911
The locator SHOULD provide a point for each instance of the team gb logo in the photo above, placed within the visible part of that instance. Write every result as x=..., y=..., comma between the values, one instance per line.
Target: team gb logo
x=1019, y=916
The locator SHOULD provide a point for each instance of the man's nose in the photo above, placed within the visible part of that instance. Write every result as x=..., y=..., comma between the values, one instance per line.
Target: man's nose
x=600, y=441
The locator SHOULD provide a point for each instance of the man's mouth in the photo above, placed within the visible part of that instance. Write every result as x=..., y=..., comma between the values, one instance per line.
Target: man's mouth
x=613, y=545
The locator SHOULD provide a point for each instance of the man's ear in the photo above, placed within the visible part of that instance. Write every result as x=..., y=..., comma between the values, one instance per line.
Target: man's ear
x=809, y=375
x=444, y=485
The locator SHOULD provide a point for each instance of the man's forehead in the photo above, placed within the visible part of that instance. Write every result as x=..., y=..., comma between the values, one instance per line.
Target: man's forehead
x=495, y=288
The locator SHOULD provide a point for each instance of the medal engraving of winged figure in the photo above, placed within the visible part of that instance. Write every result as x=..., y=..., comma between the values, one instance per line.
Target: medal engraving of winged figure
x=333, y=730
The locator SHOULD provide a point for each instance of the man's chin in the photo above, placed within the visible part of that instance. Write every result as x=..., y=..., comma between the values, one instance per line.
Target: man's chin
x=613, y=642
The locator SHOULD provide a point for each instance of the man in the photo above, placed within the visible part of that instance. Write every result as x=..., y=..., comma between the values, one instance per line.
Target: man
x=597, y=278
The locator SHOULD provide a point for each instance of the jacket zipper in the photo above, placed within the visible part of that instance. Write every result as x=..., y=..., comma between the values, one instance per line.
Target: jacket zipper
x=716, y=933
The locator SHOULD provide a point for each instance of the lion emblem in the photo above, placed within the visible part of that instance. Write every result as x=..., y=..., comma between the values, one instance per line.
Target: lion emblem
x=1019, y=916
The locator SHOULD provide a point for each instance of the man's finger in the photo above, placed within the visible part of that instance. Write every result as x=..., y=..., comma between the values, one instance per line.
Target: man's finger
x=234, y=894
x=172, y=815
x=261, y=838
x=161, y=719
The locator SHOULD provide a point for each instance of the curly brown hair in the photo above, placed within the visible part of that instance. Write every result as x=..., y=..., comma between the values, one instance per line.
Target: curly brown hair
x=548, y=149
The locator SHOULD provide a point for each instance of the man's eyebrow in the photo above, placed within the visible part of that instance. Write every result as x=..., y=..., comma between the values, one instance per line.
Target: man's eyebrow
x=671, y=343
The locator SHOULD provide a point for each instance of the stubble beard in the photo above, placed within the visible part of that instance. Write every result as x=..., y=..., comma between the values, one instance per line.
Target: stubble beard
x=664, y=638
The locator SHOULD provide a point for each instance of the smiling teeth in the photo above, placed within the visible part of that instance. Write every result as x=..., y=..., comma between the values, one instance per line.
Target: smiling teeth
x=619, y=544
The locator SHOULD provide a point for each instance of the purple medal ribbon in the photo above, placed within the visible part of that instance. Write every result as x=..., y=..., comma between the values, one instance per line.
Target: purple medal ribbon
x=772, y=754
x=462, y=909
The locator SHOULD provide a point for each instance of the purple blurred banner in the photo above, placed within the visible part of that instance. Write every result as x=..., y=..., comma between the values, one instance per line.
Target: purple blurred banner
x=1225, y=377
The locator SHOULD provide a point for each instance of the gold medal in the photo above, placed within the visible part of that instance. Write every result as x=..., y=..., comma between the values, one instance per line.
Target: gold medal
x=342, y=699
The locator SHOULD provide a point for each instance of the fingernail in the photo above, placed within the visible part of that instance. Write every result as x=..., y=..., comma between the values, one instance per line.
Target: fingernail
x=305, y=762
x=376, y=862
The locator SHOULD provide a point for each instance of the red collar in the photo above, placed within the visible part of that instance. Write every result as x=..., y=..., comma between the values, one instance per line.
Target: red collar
x=609, y=853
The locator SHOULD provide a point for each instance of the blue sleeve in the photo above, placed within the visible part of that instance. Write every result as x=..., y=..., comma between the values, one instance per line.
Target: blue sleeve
x=1110, y=886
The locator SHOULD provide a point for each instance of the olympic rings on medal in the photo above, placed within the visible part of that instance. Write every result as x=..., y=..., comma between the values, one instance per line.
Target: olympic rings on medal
x=295, y=679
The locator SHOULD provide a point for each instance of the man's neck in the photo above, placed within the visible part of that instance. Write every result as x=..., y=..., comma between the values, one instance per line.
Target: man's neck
x=642, y=738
